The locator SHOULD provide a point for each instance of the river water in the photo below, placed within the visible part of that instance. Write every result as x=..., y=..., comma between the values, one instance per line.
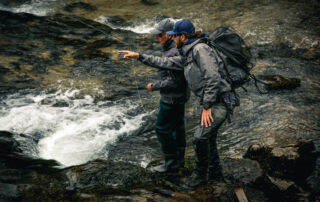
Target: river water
x=71, y=118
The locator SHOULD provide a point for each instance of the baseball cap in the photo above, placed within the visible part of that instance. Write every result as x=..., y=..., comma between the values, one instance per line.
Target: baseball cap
x=182, y=26
x=163, y=26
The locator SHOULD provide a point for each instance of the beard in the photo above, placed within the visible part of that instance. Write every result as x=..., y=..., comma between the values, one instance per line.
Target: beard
x=178, y=43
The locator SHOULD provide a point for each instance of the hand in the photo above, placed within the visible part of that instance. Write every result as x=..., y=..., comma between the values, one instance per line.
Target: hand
x=206, y=117
x=149, y=87
x=129, y=54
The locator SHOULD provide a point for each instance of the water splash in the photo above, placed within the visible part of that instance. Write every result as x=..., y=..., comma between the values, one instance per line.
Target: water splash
x=36, y=7
x=69, y=130
x=140, y=28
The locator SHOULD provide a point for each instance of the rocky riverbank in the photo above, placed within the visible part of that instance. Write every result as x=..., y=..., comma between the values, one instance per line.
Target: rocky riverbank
x=265, y=174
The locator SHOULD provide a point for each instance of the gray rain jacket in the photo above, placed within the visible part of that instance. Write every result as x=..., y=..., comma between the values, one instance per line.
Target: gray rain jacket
x=171, y=83
x=203, y=70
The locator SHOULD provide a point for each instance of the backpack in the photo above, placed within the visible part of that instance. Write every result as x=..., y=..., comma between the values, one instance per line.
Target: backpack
x=236, y=56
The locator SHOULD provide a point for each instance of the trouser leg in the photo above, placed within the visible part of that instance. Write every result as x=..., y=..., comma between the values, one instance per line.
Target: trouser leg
x=164, y=129
x=179, y=133
x=205, y=138
x=214, y=168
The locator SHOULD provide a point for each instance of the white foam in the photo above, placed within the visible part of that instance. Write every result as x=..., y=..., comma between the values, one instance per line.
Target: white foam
x=36, y=7
x=140, y=28
x=71, y=135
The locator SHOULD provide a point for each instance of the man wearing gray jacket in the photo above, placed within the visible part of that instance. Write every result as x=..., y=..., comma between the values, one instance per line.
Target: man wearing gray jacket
x=170, y=127
x=208, y=80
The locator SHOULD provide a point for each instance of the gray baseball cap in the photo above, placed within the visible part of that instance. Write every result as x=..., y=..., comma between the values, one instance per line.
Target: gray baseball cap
x=163, y=26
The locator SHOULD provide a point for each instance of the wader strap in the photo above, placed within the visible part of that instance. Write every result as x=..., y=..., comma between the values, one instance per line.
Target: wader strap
x=256, y=80
x=227, y=101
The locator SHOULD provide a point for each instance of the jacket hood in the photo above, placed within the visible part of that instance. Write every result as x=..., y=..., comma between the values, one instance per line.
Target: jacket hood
x=186, y=48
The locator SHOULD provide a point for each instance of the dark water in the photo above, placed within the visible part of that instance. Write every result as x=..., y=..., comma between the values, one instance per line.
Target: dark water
x=86, y=102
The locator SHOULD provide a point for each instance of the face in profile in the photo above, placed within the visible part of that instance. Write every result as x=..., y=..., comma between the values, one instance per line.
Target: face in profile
x=163, y=38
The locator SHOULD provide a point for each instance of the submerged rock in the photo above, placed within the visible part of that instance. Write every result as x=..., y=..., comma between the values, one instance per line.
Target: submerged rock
x=149, y=2
x=281, y=82
x=79, y=5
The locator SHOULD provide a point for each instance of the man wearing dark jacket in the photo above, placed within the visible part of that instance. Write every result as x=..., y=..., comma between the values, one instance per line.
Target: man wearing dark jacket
x=169, y=126
x=207, y=79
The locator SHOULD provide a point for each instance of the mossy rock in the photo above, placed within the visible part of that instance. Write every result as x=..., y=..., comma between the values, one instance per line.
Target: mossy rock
x=281, y=82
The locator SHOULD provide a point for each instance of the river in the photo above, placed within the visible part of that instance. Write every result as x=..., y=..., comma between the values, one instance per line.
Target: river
x=73, y=107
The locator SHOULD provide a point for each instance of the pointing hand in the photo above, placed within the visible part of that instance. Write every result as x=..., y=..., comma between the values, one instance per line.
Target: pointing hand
x=129, y=54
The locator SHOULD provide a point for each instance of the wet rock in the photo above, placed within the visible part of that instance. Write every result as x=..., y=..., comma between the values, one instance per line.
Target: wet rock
x=79, y=5
x=7, y=143
x=8, y=192
x=107, y=174
x=118, y=21
x=241, y=171
x=149, y=2
x=282, y=189
x=3, y=70
x=281, y=82
x=295, y=162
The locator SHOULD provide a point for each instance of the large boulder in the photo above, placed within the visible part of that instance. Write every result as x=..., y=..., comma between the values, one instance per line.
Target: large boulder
x=287, y=170
x=295, y=161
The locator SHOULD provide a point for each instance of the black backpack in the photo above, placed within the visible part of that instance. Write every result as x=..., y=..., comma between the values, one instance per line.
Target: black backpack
x=236, y=56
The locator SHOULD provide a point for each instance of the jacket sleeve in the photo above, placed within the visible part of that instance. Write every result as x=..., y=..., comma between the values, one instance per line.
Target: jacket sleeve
x=166, y=83
x=208, y=65
x=169, y=63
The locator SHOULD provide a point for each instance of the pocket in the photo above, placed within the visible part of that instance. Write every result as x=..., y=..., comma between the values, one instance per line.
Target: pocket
x=219, y=113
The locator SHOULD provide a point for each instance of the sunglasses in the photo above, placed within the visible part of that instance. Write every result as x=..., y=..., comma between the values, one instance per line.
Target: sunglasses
x=159, y=35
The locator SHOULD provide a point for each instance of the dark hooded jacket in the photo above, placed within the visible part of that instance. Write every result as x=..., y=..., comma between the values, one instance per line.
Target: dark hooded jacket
x=202, y=68
x=171, y=83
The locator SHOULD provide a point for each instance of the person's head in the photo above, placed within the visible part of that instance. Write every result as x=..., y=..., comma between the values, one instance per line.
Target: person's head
x=160, y=30
x=182, y=31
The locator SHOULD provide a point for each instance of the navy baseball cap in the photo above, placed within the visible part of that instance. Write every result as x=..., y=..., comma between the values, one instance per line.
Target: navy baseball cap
x=182, y=26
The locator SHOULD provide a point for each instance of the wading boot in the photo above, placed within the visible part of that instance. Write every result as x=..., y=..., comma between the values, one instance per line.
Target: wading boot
x=199, y=175
x=194, y=180
x=170, y=164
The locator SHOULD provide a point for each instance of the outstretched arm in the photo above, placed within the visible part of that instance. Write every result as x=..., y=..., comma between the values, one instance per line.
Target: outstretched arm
x=170, y=63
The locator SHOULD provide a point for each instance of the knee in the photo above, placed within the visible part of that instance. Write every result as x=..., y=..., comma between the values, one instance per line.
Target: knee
x=199, y=141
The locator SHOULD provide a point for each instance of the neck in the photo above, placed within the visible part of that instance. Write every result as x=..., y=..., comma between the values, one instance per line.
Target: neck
x=167, y=44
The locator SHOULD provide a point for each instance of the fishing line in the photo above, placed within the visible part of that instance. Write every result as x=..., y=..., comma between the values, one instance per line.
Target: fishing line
x=132, y=62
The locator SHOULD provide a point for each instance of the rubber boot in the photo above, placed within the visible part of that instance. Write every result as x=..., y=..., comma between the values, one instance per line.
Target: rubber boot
x=180, y=156
x=170, y=164
x=199, y=175
x=214, y=168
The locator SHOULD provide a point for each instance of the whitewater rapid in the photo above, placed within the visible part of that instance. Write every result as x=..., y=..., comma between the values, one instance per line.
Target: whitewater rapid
x=35, y=7
x=65, y=128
